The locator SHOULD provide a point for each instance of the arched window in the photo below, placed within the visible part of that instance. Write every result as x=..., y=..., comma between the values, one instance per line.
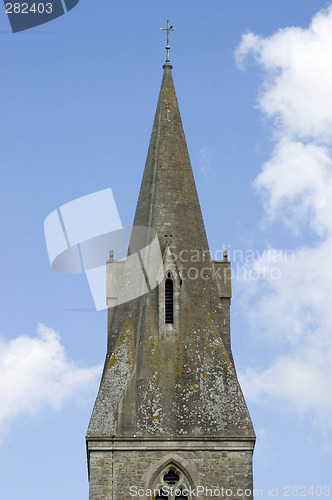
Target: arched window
x=171, y=477
x=169, y=299
x=171, y=484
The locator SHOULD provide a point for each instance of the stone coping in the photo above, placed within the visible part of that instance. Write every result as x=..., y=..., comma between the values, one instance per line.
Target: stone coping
x=145, y=444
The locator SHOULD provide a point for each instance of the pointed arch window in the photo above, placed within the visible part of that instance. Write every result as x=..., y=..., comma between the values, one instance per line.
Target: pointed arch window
x=171, y=484
x=171, y=477
x=169, y=299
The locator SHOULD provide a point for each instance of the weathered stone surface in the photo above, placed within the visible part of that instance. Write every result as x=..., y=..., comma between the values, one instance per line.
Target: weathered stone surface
x=171, y=381
x=231, y=469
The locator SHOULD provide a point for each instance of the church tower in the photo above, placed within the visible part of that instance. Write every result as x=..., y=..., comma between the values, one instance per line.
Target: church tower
x=170, y=413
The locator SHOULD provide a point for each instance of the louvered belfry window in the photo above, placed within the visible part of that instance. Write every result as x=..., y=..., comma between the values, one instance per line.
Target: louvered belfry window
x=169, y=300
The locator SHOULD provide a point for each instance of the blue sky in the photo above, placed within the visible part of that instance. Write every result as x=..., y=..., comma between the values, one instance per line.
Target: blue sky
x=77, y=102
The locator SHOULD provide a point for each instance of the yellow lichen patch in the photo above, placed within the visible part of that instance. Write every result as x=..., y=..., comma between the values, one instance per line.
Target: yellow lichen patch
x=205, y=375
x=112, y=361
x=213, y=339
x=125, y=347
x=225, y=357
x=155, y=416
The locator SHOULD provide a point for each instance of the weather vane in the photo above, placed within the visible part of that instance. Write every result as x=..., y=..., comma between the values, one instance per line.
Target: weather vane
x=168, y=29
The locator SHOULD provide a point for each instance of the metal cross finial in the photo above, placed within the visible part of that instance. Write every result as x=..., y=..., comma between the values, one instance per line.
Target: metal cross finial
x=168, y=29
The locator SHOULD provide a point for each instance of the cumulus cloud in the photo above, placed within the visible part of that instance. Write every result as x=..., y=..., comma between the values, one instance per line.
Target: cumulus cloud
x=296, y=184
x=294, y=310
x=297, y=87
x=205, y=161
x=35, y=373
x=296, y=188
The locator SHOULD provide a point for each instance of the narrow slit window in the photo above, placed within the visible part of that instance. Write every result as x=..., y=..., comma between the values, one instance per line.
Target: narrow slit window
x=169, y=300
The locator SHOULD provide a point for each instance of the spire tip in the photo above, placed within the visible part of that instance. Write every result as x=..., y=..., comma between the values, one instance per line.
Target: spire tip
x=168, y=29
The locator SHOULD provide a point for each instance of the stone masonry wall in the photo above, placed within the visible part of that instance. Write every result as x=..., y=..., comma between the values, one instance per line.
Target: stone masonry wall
x=231, y=469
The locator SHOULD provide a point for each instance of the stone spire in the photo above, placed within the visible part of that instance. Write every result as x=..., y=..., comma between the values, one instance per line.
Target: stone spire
x=172, y=379
x=168, y=198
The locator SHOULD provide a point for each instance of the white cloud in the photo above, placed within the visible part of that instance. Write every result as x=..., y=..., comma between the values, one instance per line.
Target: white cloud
x=297, y=87
x=294, y=313
x=296, y=186
x=35, y=373
x=205, y=161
